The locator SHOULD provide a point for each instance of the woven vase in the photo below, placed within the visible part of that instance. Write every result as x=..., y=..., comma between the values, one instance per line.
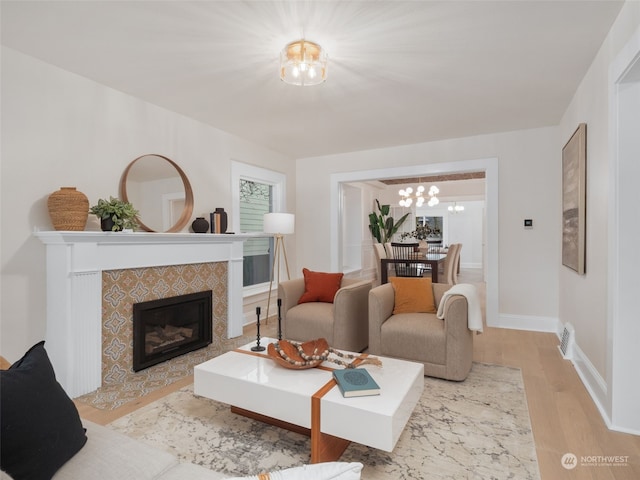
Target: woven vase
x=68, y=209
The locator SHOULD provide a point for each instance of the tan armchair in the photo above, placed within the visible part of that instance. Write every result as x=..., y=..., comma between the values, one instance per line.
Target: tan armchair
x=343, y=323
x=445, y=347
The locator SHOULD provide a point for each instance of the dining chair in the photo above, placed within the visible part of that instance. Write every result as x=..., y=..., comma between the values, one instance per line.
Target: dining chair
x=456, y=264
x=434, y=248
x=450, y=264
x=408, y=251
x=381, y=253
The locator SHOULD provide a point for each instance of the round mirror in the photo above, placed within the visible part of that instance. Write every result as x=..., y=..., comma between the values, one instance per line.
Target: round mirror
x=158, y=188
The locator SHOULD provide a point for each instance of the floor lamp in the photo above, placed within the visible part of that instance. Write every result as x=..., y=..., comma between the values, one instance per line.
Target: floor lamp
x=278, y=224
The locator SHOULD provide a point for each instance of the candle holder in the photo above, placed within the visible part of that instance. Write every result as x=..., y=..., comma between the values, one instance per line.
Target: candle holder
x=279, y=319
x=258, y=347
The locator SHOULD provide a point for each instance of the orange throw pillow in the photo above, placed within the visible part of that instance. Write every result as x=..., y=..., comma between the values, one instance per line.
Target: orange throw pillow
x=413, y=295
x=320, y=286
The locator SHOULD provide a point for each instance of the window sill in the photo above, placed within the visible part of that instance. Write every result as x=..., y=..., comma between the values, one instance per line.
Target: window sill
x=259, y=289
x=348, y=270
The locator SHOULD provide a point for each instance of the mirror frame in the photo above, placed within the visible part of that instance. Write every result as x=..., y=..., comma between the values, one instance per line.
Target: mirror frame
x=188, y=195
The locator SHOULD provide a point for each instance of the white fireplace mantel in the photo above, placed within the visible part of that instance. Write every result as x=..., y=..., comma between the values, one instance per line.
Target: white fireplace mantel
x=75, y=262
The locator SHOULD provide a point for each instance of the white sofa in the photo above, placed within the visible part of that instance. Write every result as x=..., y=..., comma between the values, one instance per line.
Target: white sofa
x=110, y=455
x=43, y=435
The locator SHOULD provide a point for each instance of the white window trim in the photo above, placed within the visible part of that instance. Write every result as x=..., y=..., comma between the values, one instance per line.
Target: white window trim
x=278, y=182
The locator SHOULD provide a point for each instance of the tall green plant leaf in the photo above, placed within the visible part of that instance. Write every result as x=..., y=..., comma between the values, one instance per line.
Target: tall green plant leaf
x=382, y=226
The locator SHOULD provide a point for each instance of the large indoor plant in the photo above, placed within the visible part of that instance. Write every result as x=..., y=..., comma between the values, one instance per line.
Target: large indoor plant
x=115, y=215
x=382, y=226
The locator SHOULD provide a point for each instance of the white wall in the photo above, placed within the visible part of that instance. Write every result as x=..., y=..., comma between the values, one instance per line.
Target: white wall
x=585, y=298
x=466, y=228
x=529, y=187
x=623, y=325
x=352, y=228
x=60, y=129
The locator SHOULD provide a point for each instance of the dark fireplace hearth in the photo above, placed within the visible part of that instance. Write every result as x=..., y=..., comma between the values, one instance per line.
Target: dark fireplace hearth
x=168, y=327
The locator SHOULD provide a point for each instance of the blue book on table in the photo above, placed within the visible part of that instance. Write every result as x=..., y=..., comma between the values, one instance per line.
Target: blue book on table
x=356, y=382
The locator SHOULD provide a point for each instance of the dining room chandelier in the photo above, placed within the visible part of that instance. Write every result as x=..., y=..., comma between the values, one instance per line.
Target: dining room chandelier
x=303, y=63
x=407, y=197
x=455, y=208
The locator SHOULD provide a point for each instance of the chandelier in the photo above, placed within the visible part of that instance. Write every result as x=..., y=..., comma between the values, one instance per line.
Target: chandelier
x=303, y=63
x=407, y=199
x=455, y=208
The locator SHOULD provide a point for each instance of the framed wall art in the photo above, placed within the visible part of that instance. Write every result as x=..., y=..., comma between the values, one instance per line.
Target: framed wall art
x=574, y=200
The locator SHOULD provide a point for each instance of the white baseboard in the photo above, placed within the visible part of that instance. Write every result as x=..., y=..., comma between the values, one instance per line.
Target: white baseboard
x=592, y=380
x=477, y=266
x=596, y=385
x=590, y=377
x=616, y=428
x=527, y=322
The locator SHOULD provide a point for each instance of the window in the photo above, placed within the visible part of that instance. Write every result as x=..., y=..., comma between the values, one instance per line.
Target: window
x=256, y=191
x=255, y=201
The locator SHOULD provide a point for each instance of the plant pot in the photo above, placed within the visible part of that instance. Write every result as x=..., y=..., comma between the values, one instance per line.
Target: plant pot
x=106, y=224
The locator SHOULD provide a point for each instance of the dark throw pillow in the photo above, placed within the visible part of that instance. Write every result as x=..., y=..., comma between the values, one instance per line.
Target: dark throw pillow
x=320, y=286
x=40, y=425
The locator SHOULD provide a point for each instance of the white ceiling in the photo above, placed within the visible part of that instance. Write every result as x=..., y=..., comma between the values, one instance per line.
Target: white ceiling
x=400, y=72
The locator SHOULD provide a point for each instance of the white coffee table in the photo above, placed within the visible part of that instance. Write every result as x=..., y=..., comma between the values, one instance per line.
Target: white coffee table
x=309, y=402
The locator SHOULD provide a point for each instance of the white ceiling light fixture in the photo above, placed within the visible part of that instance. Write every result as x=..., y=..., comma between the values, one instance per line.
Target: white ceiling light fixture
x=407, y=199
x=433, y=191
x=455, y=208
x=303, y=63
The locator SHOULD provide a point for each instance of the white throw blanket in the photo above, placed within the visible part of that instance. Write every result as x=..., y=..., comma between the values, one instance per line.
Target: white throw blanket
x=474, y=316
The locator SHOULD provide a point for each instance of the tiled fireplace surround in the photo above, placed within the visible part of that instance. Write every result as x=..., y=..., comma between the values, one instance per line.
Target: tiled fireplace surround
x=121, y=289
x=94, y=277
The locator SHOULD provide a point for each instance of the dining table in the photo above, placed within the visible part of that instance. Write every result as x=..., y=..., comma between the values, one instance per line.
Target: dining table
x=432, y=259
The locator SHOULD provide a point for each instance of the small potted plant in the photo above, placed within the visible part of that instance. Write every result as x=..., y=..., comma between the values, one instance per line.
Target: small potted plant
x=115, y=215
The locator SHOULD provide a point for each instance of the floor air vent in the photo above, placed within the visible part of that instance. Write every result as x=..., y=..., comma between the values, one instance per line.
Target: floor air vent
x=566, y=341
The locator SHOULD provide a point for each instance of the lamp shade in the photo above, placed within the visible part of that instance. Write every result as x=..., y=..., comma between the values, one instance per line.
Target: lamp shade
x=279, y=223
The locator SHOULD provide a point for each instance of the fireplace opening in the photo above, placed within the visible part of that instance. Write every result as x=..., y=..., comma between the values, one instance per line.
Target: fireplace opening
x=168, y=327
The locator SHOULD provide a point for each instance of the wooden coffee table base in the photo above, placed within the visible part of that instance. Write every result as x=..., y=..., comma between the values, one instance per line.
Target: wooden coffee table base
x=324, y=447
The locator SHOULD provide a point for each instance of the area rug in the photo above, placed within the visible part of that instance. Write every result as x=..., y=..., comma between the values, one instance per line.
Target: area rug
x=477, y=429
x=138, y=384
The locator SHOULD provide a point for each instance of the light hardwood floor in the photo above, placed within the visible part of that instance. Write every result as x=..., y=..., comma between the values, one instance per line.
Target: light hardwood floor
x=564, y=418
